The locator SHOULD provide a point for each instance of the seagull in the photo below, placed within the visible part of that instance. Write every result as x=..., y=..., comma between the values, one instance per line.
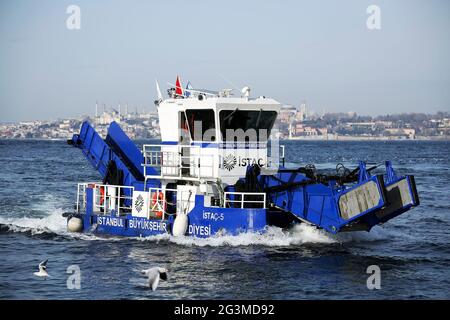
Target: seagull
x=42, y=269
x=154, y=274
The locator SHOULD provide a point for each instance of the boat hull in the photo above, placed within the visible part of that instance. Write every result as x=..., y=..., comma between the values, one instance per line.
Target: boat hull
x=203, y=222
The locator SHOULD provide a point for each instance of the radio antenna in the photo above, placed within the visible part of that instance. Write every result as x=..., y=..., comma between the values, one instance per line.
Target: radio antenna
x=229, y=82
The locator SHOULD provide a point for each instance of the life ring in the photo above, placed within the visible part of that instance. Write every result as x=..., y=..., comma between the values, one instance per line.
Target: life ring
x=102, y=195
x=102, y=192
x=157, y=198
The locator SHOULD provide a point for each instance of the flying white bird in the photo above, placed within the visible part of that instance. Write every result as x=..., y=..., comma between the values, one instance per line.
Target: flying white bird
x=42, y=269
x=154, y=274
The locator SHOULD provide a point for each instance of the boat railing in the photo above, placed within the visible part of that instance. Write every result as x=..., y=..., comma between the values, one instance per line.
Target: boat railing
x=81, y=196
x=282, y=155
x=118, y=200
x=245, y=200
x=276, y=157
x=178, y=161
x=162, y=202
x=107, y=199
x=110, y=199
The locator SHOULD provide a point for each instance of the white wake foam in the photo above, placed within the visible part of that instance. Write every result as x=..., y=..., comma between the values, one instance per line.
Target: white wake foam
x=51, y=219
x=273, y=237
x=53, y=222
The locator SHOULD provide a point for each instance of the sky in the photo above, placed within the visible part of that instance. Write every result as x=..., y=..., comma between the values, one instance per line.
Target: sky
x=321, y=52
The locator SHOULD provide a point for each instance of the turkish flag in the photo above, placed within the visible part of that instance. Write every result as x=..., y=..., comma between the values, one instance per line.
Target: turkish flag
x=179, y=88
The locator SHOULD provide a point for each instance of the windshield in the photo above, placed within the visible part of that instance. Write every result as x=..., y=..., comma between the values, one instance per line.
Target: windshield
x=201, y=124
x=256, y=124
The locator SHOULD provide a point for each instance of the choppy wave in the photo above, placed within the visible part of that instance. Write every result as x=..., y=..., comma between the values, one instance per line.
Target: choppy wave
x=50, y=220
x=276, y=237
x=55, y=225
x=273, y=237
x=52, y=224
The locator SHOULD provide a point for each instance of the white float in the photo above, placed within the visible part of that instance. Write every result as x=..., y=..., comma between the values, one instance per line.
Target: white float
x=180, y=225
x=75, y=224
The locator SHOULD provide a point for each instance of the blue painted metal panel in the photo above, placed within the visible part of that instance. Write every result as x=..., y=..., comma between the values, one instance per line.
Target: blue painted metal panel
x=207, y=221
x=203, y=222
x=100, y=152
x=129, y=153
x=318, y=203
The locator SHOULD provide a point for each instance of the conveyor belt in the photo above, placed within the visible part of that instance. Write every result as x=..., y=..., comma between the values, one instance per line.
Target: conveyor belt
x=117, y=147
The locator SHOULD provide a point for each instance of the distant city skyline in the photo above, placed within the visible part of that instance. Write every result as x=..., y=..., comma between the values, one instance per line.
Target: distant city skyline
x=294, y=51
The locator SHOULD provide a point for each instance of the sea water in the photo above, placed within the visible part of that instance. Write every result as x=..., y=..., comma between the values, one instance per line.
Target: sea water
x=38, y=183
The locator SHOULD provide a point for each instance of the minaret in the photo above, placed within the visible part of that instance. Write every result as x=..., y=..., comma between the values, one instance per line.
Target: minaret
x=119, y=112
x=290, y=129
x=96, y=113
x=304, y=111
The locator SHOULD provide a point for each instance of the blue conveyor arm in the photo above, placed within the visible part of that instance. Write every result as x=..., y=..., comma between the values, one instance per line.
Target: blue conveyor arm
x=117, y=148
x=371, y=200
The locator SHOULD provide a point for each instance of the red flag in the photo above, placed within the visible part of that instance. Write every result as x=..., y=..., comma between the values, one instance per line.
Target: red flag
x=178, y=89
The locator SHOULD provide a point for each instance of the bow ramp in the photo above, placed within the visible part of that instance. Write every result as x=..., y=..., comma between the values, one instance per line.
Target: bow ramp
x=116, y=157
x=351, y=201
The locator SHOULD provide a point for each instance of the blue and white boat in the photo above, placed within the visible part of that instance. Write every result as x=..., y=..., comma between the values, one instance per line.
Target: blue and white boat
x=220, y=170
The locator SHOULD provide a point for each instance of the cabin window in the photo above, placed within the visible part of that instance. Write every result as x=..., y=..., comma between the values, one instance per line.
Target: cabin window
x=255, y=124
x=184, y=134
x=201, y=124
